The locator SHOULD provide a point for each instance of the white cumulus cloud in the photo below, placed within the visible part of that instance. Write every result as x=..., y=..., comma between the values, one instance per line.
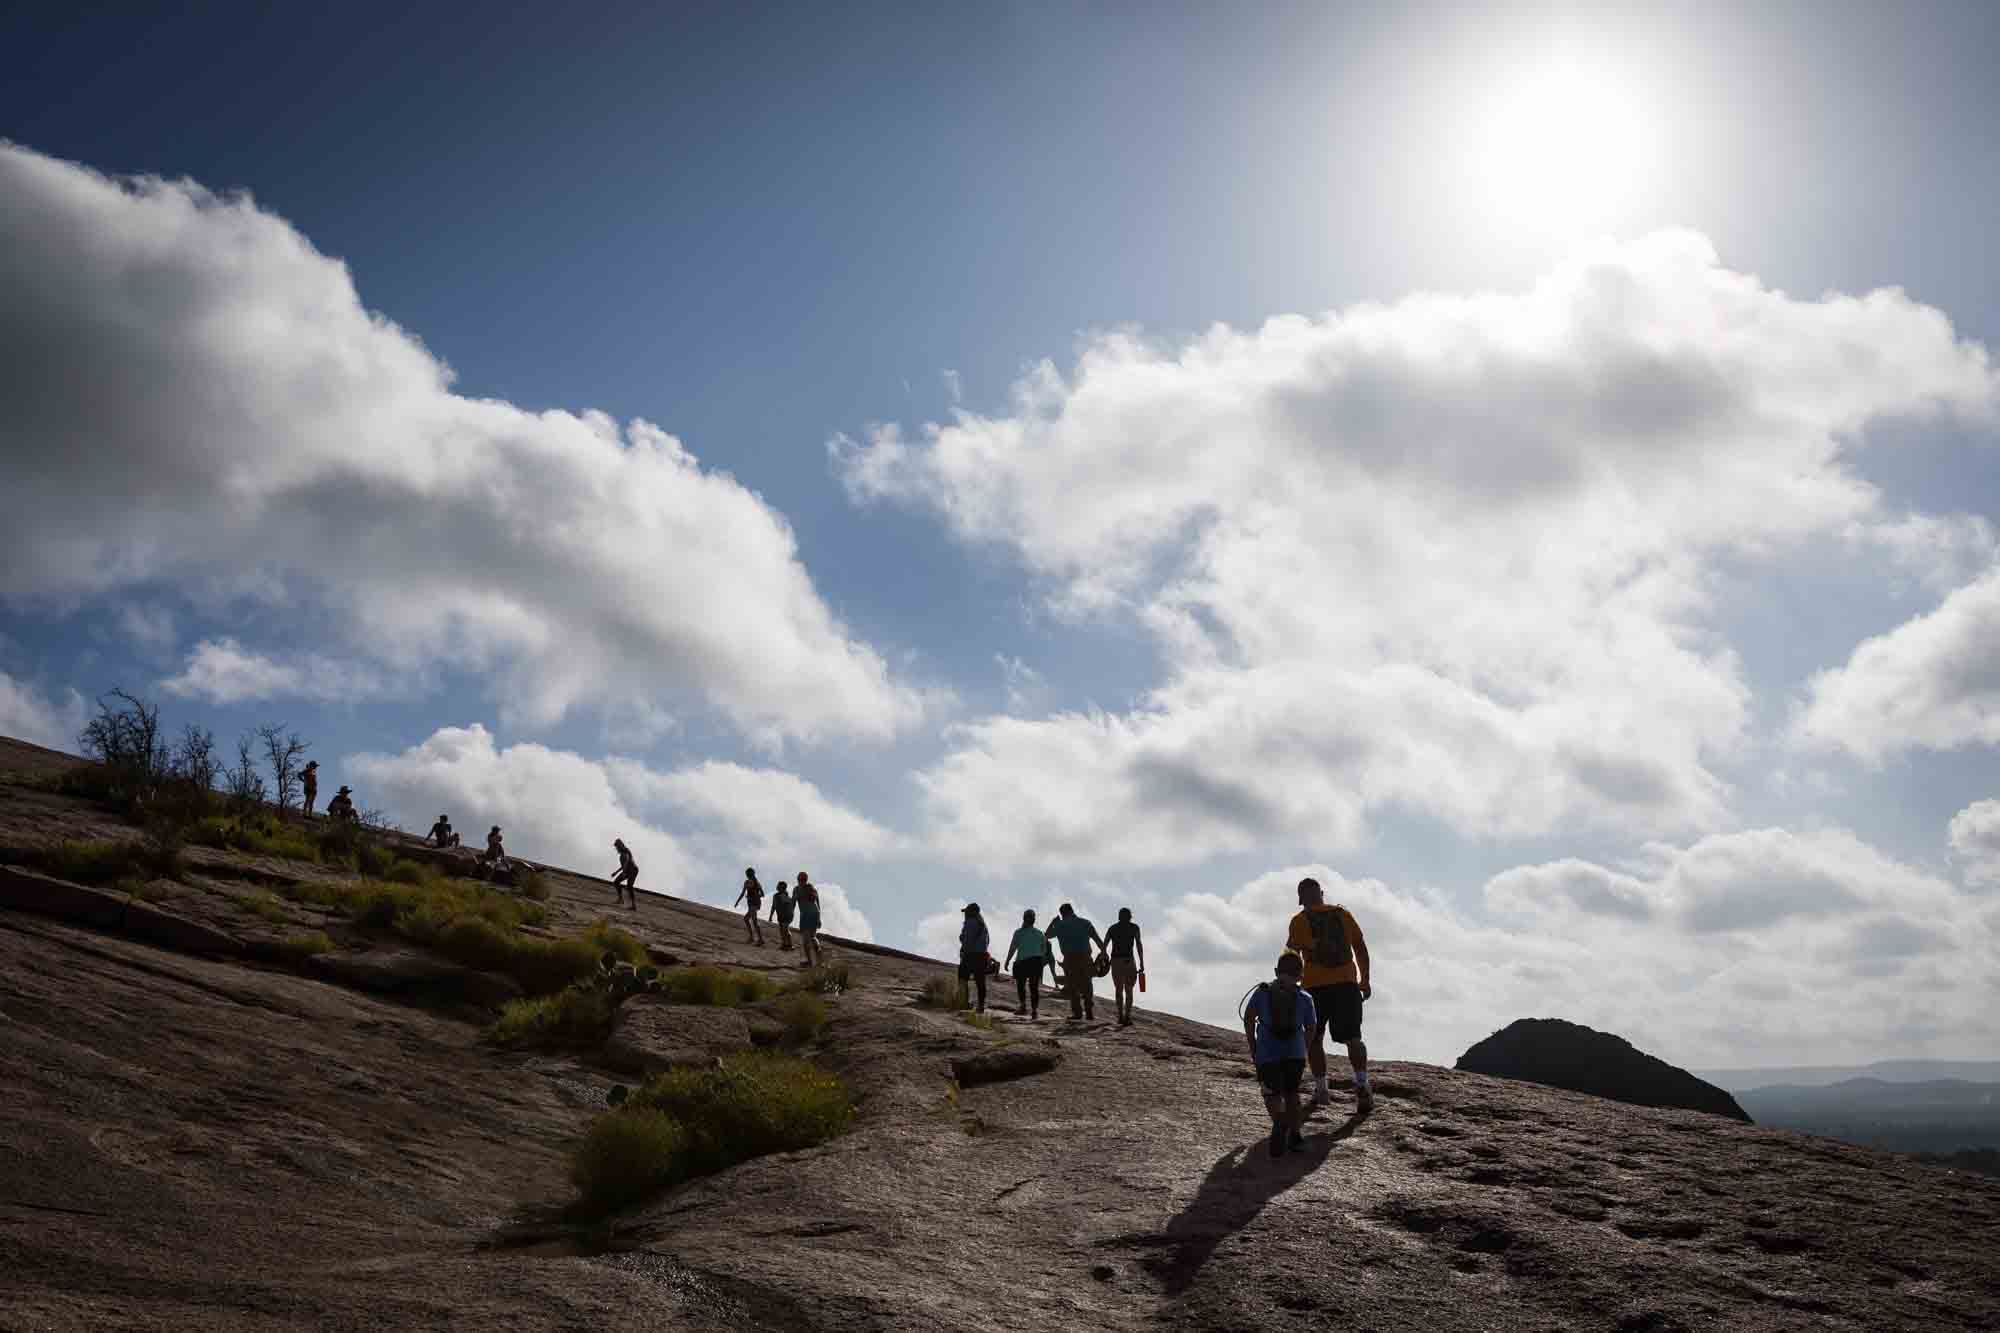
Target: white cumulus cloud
x=1451, y=555
x=28, y=714
x=222, y=671
x=1932, y=682
x=192, y=395
x=1975, y=841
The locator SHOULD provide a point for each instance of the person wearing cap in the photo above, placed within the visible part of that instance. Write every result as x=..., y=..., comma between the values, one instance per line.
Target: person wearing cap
x=309, y=775
x=341, y=806
x=751, y=899
x=975, y=943
x=1327, y=937
x=1027, y=954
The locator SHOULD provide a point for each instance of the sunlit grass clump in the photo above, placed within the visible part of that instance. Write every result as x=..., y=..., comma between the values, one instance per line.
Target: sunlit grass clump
x=574, y=1016
x=714, y=985
x=694, y=1122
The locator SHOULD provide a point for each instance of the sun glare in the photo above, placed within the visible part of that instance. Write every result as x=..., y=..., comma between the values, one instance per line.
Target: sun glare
x=1560, y=148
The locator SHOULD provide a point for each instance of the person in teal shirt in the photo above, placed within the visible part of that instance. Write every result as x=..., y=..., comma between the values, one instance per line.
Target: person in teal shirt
x=1074, y=934
x=1032, y=948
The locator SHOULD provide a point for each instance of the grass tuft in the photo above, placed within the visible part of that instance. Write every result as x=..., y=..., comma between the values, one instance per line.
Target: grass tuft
x=714, y=985
x=107, y=861
x=694, y=1122
x=574, y=1016
x=269, y=906
x=298, y=948
x=532, y=884
x=804, y=1016
x=824, y=979
x=944, y=993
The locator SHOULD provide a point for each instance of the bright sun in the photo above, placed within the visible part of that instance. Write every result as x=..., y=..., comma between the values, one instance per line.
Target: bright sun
x=1564, y=147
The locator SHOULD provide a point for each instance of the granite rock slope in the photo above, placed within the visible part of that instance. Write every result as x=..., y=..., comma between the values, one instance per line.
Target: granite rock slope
x=199, y=1141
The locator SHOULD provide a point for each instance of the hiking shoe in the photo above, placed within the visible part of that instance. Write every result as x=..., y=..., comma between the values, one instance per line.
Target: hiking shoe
x=1277, y=1140
x=1364, y=1100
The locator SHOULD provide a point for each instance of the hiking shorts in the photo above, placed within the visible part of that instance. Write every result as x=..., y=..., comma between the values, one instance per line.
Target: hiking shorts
x=1280, y=1076
x=1339, y=1009
x=971, y=965
x=1030, y=967
x=1124, y=972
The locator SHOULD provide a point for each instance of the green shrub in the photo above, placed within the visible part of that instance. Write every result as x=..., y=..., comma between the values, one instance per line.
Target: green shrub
x=212, y=831
x=746, y=1106
x=340, y=842
x=476, y=942
x=981, y=1021
x=625, y=1156
x=749, y=1104
x=398, y=869
x=607, y=938
x=370, y=858
x=298, y=948
x=824, y=979
x=804, y=1016
x=574, y=1016
x=714, y=985
x=544, y=966
x=96, y=861
x=267, y=905
x=944, y=993
x=532, y=883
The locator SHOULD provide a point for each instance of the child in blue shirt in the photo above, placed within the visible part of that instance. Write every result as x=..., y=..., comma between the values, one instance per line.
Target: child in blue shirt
x=1277, y=1019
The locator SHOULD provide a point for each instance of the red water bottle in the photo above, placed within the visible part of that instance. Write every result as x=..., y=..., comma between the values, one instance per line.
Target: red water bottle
x=1142, y=983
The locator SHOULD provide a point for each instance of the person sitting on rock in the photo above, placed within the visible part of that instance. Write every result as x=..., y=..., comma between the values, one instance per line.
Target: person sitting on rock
x=807, y=896
x=341, y=807
x=626, y=882
x=781, y=912
x=975, y=942
x=1075, y=934
x=753, y=894
x=441, y=835
x=309, y=776
x=496, y=850
x=1277, y=1015
x=1033, y=950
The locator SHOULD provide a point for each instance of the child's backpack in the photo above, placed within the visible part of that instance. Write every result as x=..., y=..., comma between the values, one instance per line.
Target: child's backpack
x=1282, y=1004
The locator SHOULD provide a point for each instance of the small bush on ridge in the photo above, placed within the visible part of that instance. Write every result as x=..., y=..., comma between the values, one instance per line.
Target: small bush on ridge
x=714, y=985
x=823, y=979
x=944, y=993
x=745, y=1106
x=574, y=1016
x=298, y=948
x=804, y=1016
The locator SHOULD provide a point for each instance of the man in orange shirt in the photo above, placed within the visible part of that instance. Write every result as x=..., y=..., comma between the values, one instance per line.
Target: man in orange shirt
x=1336, y=975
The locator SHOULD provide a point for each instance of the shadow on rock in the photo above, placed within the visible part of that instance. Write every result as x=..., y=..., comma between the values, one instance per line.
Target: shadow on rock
x=1233, y=1192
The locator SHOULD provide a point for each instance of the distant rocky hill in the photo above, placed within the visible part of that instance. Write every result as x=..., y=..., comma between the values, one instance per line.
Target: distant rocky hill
x=1569, y=1055
x=207, y=1125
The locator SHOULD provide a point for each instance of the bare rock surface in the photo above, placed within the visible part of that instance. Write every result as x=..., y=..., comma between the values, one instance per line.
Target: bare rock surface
x=415, y=974
x=201, y=1142
x=31, y=891
x=1582, y=1059
x=653, y=1036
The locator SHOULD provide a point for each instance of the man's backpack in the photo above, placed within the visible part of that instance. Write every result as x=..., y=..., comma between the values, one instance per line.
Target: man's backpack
x=1330, y=948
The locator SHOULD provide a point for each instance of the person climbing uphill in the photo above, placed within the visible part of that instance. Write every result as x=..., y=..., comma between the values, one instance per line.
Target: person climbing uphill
x=1075, y=935
x=1032, y=949
x=626, y=882
x=781, y=912
x=807, y=897
x=975, y=942
x=1276, y=1017
x=1125, y=972
x=1336, y=974
x=753, y=895
x=309, y=776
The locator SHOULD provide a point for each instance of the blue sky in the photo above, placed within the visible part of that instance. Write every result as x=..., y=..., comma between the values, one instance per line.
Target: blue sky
x=1041, y=453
